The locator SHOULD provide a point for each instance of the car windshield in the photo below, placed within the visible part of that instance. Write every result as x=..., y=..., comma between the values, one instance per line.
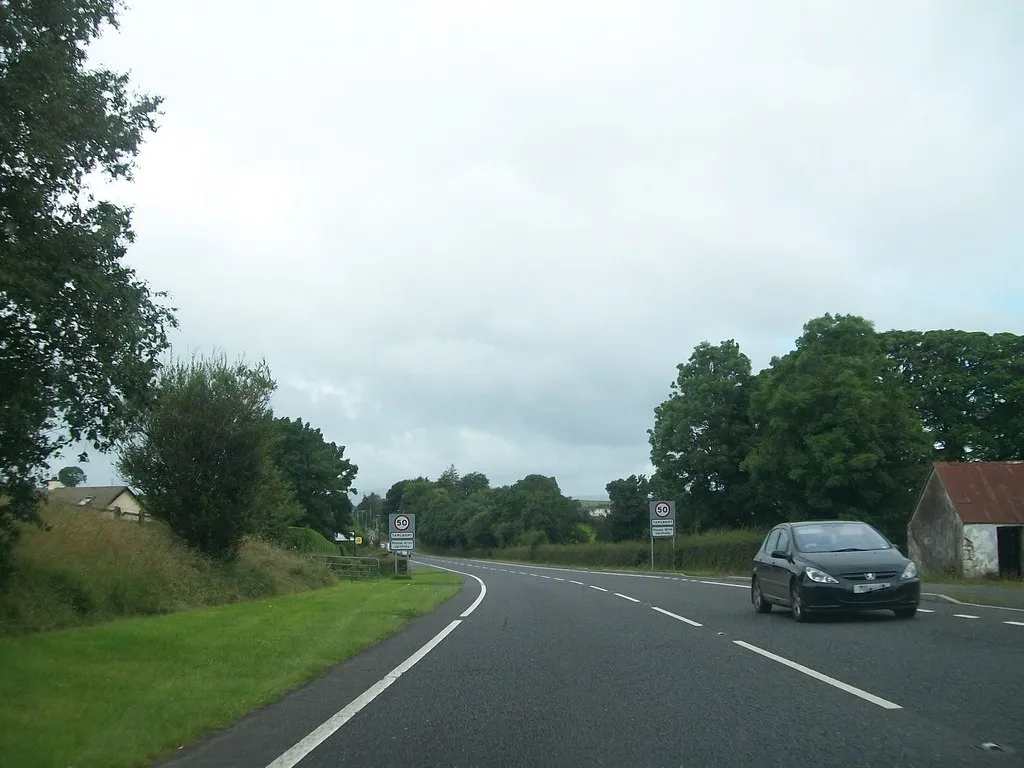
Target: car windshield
x=838, y=537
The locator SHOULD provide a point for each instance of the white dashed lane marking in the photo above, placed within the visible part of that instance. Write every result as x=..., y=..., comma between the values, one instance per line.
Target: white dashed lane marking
x=626, y=597
x=599, y=589
x=966, y=616
x=677, y=617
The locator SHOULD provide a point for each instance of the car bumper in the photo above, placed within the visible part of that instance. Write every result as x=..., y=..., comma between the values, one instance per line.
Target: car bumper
x=842, y=597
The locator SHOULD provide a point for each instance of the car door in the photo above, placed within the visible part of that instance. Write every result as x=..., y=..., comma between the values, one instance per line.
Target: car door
x=765, y=566
x=780, y=566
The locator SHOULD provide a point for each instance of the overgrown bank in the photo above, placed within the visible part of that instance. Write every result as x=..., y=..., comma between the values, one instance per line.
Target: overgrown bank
x=716, y=552
x=83, y=569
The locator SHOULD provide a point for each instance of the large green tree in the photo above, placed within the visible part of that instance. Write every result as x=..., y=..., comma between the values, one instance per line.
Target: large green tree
x=464, y=511
x=202, y=452
x=71, y=477
x=837, y=436
x=702, y=434
x=80, y=334
x=318, y=471
x=968, y=388
x=629, y=518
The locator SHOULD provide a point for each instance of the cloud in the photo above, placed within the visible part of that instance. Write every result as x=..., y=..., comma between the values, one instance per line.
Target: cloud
x=485, y=233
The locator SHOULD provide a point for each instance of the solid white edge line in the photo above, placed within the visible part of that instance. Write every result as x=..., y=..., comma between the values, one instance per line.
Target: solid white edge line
x=324, y=731
x=626, y=597
x=480, y=597
x=870, y=697
x=723, y=584
x=600, y=589
x=677, y=617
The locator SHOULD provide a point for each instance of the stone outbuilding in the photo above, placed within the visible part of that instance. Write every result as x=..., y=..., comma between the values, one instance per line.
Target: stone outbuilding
x=969, y=520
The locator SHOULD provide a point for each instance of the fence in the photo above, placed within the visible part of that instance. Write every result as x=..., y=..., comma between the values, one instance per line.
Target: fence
x=353, y=568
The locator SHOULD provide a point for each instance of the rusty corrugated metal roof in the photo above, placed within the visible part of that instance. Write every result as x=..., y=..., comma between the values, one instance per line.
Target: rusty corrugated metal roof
x=985, y=491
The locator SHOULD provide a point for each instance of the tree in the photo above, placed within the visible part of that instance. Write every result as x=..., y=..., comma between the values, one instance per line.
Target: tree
x=837, y=436
x=701, y=435
x=463, y=511
x=80, y=335
x=968, y=389
x=71, y=477
x=630, y=508
x=319, y=473
x=370, y=511
x=473, y=483
x=201, y=452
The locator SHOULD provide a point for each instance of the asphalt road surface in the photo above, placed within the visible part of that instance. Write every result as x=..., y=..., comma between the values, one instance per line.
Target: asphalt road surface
x=563, y=668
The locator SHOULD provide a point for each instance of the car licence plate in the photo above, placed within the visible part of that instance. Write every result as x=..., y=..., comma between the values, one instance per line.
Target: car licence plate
x=874, y=587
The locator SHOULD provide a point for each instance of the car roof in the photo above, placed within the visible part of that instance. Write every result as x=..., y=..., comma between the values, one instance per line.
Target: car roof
x=827, y=522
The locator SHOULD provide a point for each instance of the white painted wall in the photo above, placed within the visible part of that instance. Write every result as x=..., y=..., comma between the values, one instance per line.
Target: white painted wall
x=980, y=550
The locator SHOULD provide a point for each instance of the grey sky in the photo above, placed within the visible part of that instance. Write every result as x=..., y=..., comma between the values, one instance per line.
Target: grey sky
x=484, y=233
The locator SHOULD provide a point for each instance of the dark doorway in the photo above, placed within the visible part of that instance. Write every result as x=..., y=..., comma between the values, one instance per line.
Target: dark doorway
x=1008, y=542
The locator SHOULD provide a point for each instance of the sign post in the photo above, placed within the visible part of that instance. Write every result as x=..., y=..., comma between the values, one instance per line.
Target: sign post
x=663, y=525
x=401, y=535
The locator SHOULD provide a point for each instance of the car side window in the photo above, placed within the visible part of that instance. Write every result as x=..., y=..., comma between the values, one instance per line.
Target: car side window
x=771, y=541
x=783, y=541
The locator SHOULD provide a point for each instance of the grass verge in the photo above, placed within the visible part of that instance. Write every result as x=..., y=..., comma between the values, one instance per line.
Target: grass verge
x=128, y=692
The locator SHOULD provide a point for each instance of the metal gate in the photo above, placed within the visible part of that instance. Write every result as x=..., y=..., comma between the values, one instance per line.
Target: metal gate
x=353, y=568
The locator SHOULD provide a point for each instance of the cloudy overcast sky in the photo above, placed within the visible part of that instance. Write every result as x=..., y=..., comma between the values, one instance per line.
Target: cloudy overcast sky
x=484, y=233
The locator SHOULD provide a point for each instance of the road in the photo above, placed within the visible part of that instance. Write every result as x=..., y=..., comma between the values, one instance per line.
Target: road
x=555, y=667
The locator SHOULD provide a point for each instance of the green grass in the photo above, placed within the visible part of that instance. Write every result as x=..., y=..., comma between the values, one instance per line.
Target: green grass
x=713, y=553
x=128, y=692
x=84, y=569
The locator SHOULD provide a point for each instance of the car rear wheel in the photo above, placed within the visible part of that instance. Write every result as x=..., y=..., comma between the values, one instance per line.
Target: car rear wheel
x=757, y=597
x=905, y=613
x=796, y=602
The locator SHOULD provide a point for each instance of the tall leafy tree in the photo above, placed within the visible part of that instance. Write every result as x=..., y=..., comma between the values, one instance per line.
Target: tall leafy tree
x=702, y=434
x=80, y=334
x=318, y=471
x=837, y=436
x=201, y=452
x=967, y=387
x=70, y=477
x=472, y=483
x=630, y=508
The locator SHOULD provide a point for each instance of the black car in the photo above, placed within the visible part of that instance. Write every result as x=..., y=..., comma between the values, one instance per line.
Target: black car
x=832, y=566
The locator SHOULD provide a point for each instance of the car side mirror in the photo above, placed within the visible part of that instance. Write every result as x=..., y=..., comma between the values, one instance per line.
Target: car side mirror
x=780, y=554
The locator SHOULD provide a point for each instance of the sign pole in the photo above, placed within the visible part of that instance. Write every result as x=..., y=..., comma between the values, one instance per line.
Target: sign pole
x=663, y=525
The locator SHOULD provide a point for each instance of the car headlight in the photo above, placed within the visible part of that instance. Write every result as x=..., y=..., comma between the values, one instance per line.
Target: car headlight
x=820, y=576
x=910, y=571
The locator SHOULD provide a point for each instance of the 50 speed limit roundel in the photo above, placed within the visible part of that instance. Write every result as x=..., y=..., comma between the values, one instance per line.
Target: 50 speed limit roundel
x=661, y=509
x=401, y=523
